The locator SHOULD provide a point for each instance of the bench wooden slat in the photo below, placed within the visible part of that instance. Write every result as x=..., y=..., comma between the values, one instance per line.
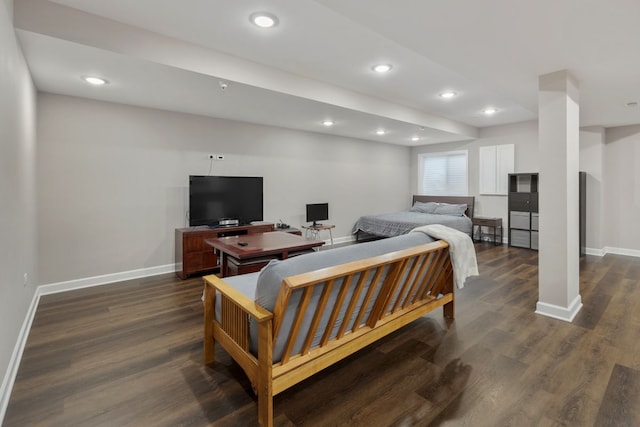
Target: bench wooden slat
x=417, y=279
x=326, y=292
x=436, y=263
x=375, y=285
x=426, y=280
x=336, y=310
x=297, y=322
x=235, y=322
x=389, y=286
x=406, y=284
x=352, y=303
x=439, y=273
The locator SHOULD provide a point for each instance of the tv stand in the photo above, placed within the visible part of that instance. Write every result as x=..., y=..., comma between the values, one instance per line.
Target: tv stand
x=193, y=256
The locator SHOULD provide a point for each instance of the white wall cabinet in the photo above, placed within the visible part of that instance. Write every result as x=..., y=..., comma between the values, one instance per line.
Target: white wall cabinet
x=496, y=163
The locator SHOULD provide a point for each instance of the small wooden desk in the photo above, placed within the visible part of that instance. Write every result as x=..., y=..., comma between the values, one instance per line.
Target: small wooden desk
x=259, y=250
x=315, y=229
x=495, y=223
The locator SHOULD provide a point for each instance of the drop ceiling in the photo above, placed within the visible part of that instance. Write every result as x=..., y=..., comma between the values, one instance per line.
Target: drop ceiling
x=316, y=63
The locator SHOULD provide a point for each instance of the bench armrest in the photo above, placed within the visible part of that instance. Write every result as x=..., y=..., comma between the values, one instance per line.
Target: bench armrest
x=243, y=302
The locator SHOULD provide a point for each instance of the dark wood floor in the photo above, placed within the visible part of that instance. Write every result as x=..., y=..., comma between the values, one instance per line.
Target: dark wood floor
x=130, y=354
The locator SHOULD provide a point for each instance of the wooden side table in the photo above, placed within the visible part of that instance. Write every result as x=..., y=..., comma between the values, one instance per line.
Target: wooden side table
x=495, y=223
x=315, y=229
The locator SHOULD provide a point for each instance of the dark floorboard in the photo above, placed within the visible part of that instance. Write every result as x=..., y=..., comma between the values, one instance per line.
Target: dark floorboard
x=130, y=354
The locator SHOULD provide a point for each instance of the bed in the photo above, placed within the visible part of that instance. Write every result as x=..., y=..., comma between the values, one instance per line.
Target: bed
x=446, y=210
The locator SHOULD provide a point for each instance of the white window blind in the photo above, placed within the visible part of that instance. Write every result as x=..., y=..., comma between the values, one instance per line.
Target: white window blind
x=443, y=173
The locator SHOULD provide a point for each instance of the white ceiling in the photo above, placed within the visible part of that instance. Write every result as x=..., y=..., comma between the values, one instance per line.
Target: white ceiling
x=316, y=63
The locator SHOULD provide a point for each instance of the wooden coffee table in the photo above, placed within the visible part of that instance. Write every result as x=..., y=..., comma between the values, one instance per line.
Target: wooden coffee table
x=238, y=258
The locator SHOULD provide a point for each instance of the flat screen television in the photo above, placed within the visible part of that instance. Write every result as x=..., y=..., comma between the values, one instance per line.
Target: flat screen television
x=317, y=212
x=221, y=199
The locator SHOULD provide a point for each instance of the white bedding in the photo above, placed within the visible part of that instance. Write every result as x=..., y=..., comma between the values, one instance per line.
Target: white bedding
x=461, y=250
x=398, y=223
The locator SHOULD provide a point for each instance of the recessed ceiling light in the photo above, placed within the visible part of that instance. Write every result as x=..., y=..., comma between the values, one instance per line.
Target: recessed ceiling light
x=382, y=68
x=447, y=94
x=489, y=111
x=96, y=81
x=415, y=138
x=328, y=123
x=264, y=19
x=380, y=132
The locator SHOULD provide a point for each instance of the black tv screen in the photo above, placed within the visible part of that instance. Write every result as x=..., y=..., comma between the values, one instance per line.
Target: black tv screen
x=214, y=198
x=317, y=212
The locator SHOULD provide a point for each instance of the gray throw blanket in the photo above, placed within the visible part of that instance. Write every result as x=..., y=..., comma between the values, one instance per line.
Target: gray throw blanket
x=461, y=250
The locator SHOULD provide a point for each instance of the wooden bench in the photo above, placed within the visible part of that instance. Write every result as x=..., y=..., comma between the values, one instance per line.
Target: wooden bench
x=409, y=284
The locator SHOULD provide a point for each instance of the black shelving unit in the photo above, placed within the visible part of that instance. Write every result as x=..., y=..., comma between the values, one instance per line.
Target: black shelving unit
x=523, y=210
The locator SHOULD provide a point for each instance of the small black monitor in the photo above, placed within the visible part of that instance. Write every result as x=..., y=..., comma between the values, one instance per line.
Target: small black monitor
x=317, y=212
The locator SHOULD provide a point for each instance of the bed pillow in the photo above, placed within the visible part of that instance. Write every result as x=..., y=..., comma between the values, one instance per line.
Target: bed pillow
x=428, y=207
x=450, y=209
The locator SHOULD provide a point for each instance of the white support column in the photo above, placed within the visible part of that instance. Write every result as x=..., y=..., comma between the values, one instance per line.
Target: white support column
x=558, y=256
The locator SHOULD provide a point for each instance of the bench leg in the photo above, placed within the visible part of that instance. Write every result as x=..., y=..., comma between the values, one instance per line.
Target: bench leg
x=209, y=313
x=265, y=379
x=265, y=410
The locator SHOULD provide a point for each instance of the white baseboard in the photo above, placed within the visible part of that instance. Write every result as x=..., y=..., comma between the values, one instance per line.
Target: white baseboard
x=615, y=251
x=54, y=288
x=595, y=252
x=561, y=313
x=621, y=251
x=339, y=240
x=16, y=356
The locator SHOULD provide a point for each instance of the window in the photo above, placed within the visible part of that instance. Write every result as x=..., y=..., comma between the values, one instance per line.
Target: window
x=443, y=173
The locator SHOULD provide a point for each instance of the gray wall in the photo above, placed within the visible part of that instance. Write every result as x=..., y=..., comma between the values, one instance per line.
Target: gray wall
x=523, y=135
x=113, y=180
x=621, y=182
x=17, y=192
x=612, y=164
